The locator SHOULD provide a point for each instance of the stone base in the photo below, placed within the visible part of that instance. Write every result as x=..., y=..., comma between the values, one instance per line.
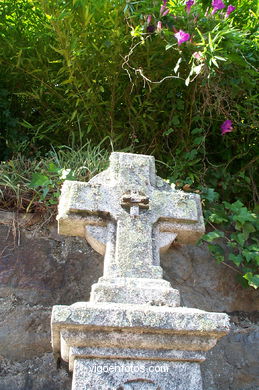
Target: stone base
x=107, y=325
x=111, y=346
x=108, y=374
x=155, y=292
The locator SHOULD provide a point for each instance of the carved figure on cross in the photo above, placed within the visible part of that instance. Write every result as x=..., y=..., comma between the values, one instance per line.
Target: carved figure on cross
x=135, y=202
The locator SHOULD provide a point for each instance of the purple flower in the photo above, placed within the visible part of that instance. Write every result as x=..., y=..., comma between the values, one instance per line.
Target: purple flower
x=149, y=18
x=226, y=127
x=162, y=9
x=182, y=36
x=159, y=26
x=189, y=4
x=150, y=29
x=217, y=5
x=165, y=12
x=230, y=9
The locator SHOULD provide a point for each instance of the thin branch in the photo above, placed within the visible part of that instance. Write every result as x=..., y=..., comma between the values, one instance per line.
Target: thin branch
x=248, y=63
x=233, y=269
x=140, y=70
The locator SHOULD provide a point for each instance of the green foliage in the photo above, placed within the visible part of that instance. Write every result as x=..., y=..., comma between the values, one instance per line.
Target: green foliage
x=34, y=185
x=92, y=72
x=216, y=80
x=62, y=61
x=239, y=232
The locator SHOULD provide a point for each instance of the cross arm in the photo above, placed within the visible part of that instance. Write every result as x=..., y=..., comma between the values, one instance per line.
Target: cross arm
x=81, y=204
x=181, y=213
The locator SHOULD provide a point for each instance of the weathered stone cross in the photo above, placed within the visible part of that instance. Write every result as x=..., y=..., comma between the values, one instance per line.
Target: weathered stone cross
x=129, y=214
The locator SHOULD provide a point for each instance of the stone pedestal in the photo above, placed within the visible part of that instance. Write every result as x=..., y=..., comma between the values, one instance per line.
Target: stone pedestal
x=119, y=346
x=136, y=374
x=155, y=292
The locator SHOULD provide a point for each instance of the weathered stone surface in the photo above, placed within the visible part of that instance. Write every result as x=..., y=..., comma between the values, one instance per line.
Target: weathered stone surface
x=137, y=207
x=233, y=363
x=205, y=284
x=135, y=291
x=235, y=370
x=142, y=317
x=130, y=214
x=32, y=279
x=111, y=374
x=96, y=327
x=39, y=373
x=202, y=282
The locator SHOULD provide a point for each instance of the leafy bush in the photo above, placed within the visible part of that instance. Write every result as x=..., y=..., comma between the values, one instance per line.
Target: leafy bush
x=238, y=229
x=215, y=70
x=156, y=77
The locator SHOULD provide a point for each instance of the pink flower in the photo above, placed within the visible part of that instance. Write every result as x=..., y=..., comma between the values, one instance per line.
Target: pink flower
x=163, y=7
x=182, y=36
x=149, y=18
x=226, y=127
x=217, y=5
x=198, y=55
x=189, y=4
x=165, y=12
x=230, y=9
x=159, y=26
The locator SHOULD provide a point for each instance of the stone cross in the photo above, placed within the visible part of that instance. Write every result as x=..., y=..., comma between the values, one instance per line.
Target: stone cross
x=129, y=214
x=134, y=318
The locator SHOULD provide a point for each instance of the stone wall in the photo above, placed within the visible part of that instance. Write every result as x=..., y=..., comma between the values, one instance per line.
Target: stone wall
x=39, y=269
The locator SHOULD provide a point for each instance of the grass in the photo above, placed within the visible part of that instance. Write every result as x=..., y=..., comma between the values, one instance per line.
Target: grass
x=32, y=185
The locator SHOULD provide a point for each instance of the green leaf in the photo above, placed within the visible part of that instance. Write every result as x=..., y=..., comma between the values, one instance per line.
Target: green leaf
x=210, y=42
x=26, y=124
x=44, y=193
x=249, y=228
x=190, y=155
x=53, y=168
x=253, y=280
x=169, y=45
x=244, y=215
x=39, y=180
x=237, y=259
x=197, y=130
x=253, y=247
x=241, y=238
x=220, y=58
x=214, y=62
x=217, y=252
x=198, y=140
x=232, y=244
x=168, y=131
x=216, y=218
x=175, y=121
x=52, y=201
x=235, y=207
x=250, y=255
x=209, y=237
x=210, y=194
